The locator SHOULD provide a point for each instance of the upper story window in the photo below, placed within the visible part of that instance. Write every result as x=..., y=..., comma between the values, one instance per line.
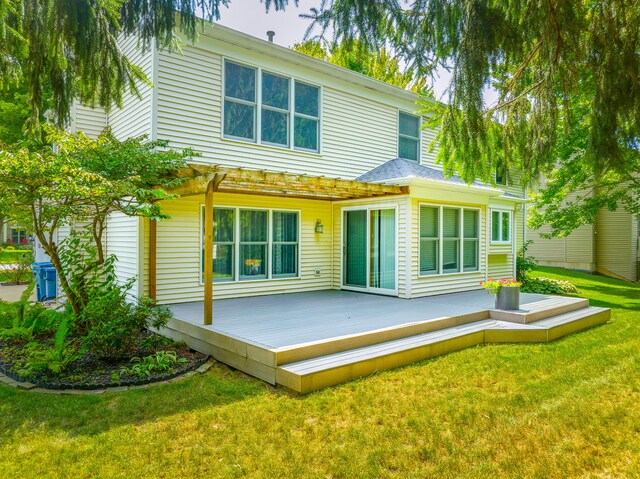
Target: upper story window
x=500, y=226
x=408, y=136
x=501, y=176
x=270, y=109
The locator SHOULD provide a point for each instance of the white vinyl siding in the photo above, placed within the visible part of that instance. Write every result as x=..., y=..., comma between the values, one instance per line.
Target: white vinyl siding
x=358, y=128
x=121, y=240
x=134, y=118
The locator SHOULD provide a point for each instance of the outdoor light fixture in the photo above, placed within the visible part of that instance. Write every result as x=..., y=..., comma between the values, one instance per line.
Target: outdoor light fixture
x=319, y=227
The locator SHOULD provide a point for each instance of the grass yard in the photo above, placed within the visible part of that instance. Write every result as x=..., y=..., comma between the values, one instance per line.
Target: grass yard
x=565, y=409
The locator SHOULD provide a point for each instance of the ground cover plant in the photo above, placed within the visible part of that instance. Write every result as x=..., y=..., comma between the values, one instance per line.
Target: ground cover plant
x=112, y=342
x=569, y=408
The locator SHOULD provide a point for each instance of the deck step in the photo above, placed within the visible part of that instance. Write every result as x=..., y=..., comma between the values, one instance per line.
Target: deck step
x=547, y=308
x=548, y=329
x=331, y=369
x=317, y=373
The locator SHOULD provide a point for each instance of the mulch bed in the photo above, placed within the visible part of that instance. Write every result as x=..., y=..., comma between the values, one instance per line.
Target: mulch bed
x=92, y=372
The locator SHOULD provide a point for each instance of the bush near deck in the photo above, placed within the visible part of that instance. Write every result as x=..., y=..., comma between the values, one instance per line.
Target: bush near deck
x=569, y=408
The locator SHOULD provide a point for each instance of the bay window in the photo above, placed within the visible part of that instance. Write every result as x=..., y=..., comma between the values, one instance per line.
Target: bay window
x=281, y=112
x=252, y=244
x=449, y=240
x=500, y=226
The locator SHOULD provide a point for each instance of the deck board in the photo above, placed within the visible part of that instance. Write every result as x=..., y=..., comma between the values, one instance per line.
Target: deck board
x=277, y=321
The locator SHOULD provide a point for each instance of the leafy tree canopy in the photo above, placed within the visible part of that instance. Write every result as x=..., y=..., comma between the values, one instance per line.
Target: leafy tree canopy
x=357, y=56
x=83, y=181
x=567, y=73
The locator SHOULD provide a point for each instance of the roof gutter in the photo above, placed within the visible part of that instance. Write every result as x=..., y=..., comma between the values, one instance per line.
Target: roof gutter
x=443, y=185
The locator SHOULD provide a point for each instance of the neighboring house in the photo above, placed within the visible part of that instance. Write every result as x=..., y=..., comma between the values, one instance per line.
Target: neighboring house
x=329, y=182
x=13, y=234
x=608, y=246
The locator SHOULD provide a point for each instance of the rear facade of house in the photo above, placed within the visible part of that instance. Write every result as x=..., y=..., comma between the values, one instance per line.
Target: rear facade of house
x=253, y=107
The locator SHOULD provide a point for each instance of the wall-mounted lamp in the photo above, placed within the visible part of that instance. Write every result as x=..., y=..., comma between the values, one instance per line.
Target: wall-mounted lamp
x=319, y=227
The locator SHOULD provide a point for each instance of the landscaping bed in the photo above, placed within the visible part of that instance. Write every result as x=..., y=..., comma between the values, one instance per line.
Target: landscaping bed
x=93, y=372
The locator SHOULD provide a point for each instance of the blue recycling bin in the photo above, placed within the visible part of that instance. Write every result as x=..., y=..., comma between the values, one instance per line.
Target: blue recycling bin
x=50, y=281
x=39, y=269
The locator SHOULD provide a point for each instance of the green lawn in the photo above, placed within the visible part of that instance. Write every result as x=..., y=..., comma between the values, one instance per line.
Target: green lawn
x=565, y=409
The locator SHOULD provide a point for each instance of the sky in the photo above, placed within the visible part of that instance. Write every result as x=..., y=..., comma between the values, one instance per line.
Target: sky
x=249, y=16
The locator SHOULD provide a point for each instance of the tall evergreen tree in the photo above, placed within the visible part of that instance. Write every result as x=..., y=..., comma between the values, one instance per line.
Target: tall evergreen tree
x=72, y=47
x=568, y=77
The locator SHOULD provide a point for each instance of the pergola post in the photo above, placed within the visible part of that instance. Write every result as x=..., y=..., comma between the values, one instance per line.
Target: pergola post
x=208, y=247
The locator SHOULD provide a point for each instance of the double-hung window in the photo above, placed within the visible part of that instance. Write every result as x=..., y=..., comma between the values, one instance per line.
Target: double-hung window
x=449, y=240
x=408, y=136
x=270, y=109
x=429, y=240
x=240, y=101
x=500, y=226
x=501, y=176
x=307, y=117
x=251, y=244
x=275, y=110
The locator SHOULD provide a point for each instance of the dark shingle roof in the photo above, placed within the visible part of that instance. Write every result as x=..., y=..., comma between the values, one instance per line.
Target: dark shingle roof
x=399, y=168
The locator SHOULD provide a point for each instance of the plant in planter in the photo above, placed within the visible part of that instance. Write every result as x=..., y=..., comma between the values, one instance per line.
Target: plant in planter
x=506, y=290
x=253, y=265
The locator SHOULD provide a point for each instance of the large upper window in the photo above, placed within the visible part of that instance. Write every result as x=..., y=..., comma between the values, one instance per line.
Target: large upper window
x=254, y=244
x=500, y=226
x=280, y=112
x=449, y=240
x=408, y=136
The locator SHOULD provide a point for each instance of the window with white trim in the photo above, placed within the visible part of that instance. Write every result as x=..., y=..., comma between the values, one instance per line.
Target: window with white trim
x=500, y=226
x=408, y=136
x=449, y=240
x=252, y=244
x=501, y=175
x=280, y=112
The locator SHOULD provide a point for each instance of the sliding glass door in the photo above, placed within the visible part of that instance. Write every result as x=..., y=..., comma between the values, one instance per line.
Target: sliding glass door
x=369, y=250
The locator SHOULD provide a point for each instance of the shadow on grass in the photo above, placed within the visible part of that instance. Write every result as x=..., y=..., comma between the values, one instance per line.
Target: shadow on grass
x=94, y=414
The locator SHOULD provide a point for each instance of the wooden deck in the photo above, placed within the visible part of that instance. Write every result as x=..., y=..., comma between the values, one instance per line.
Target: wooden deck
x=306, y=341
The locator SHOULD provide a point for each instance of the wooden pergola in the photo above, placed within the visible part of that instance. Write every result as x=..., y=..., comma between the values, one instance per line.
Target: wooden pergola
x=202, y=179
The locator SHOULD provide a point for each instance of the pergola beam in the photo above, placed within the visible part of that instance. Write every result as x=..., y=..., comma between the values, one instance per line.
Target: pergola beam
x=238, y=180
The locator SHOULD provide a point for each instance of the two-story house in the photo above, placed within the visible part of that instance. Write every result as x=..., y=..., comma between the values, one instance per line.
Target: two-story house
x=312, y=178
x=393, y=224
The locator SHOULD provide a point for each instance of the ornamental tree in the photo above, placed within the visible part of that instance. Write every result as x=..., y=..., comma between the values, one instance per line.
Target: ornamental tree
x=78, y=183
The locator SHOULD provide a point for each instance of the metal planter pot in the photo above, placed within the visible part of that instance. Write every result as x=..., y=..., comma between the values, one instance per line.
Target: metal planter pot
x=508, y=298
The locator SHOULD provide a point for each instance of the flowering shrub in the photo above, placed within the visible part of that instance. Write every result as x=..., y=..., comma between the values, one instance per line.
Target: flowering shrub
x=493, y=285
x=252, y=262
x=543, y=285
